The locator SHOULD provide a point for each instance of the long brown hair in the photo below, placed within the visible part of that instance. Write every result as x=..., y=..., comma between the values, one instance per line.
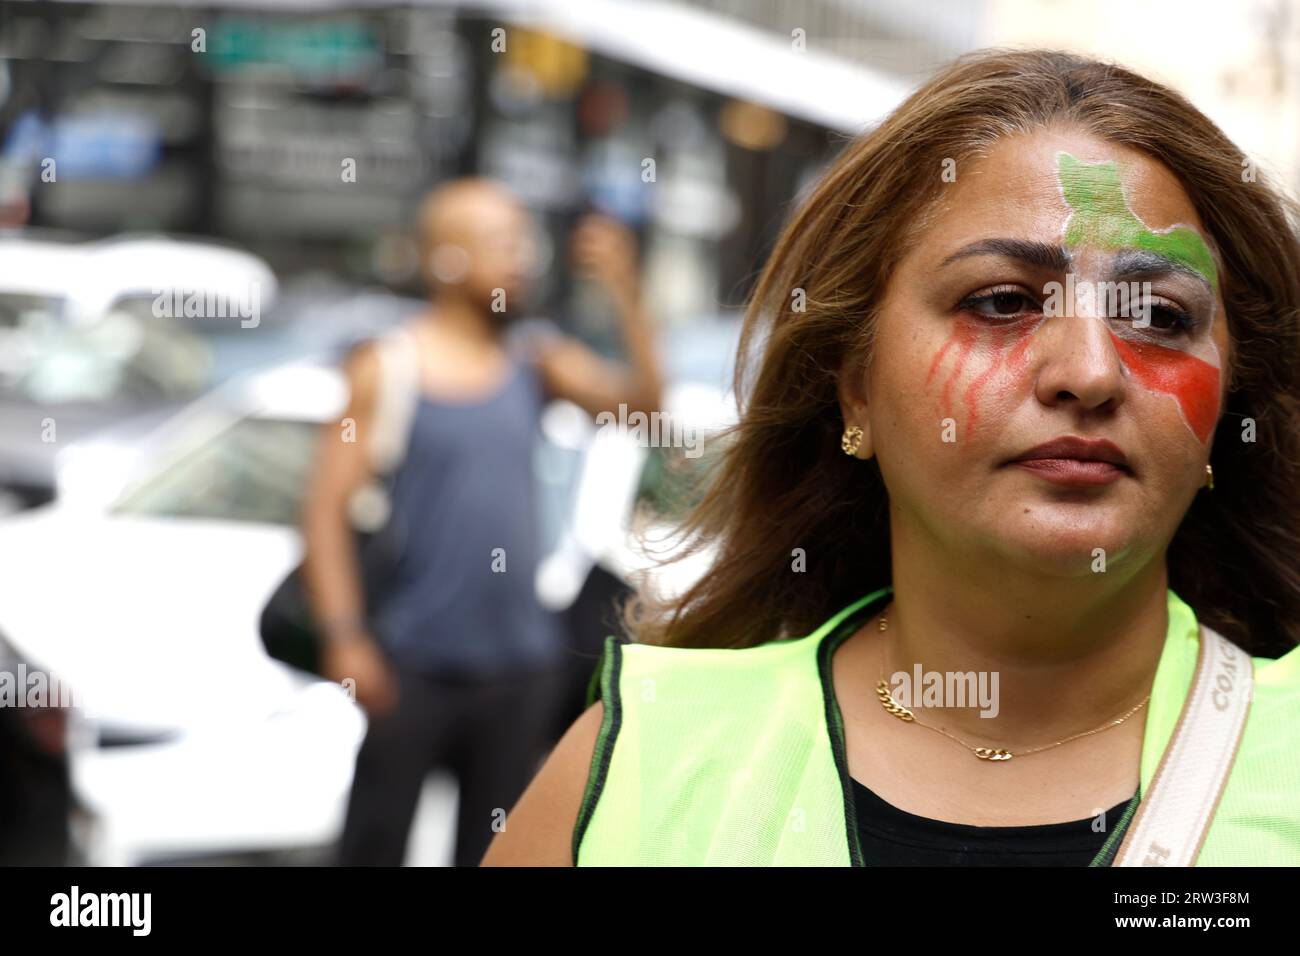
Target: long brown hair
x=783, y=488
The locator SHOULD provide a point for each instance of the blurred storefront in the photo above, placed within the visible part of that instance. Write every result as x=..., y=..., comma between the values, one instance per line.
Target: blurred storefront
x=304, y=133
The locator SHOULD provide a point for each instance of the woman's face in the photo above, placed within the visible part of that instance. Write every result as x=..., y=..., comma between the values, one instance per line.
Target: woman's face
x=1063, y=287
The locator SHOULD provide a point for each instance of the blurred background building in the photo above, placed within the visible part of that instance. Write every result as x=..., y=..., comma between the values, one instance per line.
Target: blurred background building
x=270, y=154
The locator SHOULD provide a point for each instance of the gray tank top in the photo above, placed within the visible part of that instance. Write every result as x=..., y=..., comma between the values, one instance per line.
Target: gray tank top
x=462, y=603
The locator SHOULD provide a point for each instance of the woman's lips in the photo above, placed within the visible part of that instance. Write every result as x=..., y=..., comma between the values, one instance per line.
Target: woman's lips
x=1072, y=471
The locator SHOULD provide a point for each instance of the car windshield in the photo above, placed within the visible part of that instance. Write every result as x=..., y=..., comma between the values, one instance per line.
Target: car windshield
x=126, y=354
x=254, y=470
x=23, y=319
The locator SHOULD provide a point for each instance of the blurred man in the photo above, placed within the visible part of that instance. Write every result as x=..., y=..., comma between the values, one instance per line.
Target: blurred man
x=464, y=669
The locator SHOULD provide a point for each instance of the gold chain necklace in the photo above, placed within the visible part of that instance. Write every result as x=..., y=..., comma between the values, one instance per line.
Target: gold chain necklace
x=983, y=753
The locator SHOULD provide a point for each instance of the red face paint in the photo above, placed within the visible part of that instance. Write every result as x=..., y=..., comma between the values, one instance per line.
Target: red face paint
x=1193, y=382
x=966, y=334
x=1190, y=381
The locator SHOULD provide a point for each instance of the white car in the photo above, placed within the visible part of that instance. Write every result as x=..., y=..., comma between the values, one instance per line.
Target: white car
x=142, y=585
x=192, y=742
x=90, y=278
x=95, y=334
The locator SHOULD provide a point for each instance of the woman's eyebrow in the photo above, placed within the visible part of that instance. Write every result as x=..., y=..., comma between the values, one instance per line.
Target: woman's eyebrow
x=1139, y=263
x=1127, y=264
x=1044, y=255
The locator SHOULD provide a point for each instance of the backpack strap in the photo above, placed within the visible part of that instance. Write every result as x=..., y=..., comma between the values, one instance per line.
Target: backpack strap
x=396, y=398
x=1174, y=816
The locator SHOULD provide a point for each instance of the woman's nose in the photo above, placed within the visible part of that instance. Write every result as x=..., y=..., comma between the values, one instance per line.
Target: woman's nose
x=1078, y=361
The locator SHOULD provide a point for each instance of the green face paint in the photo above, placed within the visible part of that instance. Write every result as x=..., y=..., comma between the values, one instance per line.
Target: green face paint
x=1100, y=216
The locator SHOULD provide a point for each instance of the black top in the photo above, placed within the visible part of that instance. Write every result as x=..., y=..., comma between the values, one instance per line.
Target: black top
x=893, y=837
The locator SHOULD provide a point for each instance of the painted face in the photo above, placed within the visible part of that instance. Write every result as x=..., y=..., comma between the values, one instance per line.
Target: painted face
x=1064, y=287
x=1166, y=360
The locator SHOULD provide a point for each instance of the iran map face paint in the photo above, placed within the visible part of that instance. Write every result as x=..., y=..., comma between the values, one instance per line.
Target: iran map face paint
x=1184, y=368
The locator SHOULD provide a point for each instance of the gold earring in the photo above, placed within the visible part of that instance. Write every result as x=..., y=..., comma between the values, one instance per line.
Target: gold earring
x=1209, y=476
x=851, y=440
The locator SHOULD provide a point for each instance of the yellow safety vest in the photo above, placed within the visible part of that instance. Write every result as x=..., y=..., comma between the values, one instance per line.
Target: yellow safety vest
x=718, y=756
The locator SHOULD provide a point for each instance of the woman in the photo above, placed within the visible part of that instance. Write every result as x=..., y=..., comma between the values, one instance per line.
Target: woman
x=1025, y=416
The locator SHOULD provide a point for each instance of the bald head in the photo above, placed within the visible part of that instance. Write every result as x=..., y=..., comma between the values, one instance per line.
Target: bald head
x=474, y=240
x=446, y=210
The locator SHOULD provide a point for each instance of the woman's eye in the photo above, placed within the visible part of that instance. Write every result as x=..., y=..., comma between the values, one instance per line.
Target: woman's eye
x=1169, y=319
x=1002, y=303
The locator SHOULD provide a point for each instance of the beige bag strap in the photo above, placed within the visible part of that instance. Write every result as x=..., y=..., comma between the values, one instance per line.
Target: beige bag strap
x=1174, y=816
x=395, y=400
